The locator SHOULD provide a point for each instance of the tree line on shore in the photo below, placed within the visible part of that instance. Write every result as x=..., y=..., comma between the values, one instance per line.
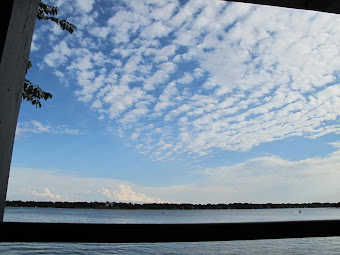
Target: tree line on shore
x=165, y=206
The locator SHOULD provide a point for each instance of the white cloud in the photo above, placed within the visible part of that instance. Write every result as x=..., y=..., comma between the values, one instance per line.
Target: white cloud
x=121, y=97
x=45, y=195
x=182, y=109
x=37, y=184
x=133, y=115
x=35, y=126
x=161, y=54
x=32, y=126
x=256, y=180
x=272, y=178
x=160, y=76
x=59, y=74
x=187, y=78
x=157, y=29
x=34, y=47
x=59, y=55
x=124, y=193
x=198, y=72
x=165, y=100
x=101, y=32
x=85, y=5
x=243, y=74
x=164, y=12
x=134, y=136
x=62, y=78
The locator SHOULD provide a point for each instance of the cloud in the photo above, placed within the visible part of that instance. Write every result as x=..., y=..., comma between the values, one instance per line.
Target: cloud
x=99, y=31
x=164, y=12
x=36, y=127
x=257, y=180
x=59, y=56
x=121, y=97
x=133, y=115
x=62, y=78
x=85, y=5
x=187, y=78
x=157, y=29
x=37, y=184
x=45, y=195
x=124, y=193
x=273, y=178
x=217, y=76
x=34, y=45
x=165, y=100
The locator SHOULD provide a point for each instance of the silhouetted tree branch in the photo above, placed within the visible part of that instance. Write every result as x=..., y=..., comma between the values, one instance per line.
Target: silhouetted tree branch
x=33, y=93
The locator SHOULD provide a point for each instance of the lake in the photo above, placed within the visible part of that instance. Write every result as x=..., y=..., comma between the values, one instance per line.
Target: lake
x=326, y=245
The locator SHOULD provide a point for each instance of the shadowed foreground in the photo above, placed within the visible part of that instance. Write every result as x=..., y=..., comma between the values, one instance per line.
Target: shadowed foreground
x=134, y=233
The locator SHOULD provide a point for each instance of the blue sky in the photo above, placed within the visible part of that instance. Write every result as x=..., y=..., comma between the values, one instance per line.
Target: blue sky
x=182, y=101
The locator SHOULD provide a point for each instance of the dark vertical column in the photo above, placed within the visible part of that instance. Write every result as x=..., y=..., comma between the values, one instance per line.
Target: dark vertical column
x=5, y=16
x=15, y=42
x=332, y=6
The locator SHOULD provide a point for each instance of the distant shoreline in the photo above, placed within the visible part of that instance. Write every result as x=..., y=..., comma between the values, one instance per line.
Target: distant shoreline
x=156, y=206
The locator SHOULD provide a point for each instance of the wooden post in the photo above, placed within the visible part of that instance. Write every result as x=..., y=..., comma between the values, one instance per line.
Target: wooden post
x=20, y=16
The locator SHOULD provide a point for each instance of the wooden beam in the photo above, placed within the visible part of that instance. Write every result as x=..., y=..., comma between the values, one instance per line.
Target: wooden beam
x=134, y=233
x=331, y=6
x=15, y=50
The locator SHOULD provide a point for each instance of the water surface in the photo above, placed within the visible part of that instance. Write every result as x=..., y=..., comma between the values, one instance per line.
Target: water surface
x=325, y=245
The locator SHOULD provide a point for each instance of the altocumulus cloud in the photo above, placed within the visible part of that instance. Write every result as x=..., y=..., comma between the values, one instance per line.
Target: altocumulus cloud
x=202, y=75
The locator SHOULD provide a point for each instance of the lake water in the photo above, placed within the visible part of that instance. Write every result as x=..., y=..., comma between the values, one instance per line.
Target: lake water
x=327, y=245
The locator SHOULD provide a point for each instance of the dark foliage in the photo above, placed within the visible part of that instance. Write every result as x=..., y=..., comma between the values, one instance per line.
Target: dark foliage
x=33, y=93
x=45, y=9
x=155, y=206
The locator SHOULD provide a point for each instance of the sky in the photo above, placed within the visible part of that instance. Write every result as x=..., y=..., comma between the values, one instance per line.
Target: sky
x=182, y=101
